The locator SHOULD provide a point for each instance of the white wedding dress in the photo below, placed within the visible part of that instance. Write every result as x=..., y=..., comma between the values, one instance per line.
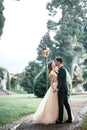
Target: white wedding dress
x=48, y=110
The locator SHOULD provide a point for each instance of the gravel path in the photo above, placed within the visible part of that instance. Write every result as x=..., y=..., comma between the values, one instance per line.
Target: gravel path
x=79, y=108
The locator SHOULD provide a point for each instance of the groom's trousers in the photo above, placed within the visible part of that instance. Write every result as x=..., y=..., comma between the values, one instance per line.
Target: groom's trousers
x=63, y=101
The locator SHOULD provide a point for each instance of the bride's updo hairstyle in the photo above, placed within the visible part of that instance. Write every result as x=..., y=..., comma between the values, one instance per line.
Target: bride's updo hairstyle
x=50, y=66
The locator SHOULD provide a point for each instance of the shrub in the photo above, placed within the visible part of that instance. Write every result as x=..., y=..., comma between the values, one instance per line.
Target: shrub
x=85, y=86
x=40, y=84
x=85, y=74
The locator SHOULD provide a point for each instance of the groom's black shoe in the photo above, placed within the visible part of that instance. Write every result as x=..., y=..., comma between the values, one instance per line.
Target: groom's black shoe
x=68, y=121
x=58, y=122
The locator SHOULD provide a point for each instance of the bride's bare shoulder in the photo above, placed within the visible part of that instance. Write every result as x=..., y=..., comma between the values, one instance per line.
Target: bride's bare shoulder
x=51, y=74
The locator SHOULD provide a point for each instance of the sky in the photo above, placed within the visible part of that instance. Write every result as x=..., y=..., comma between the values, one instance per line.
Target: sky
x=25, y=25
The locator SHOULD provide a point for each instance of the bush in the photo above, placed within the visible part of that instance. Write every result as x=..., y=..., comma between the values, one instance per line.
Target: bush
x=85, y=86
x=40, y=84
x=85, y=74
x=25, y=83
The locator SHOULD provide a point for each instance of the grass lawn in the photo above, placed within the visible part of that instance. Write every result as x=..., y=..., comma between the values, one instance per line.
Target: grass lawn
x=14, y=107
x=84, y=126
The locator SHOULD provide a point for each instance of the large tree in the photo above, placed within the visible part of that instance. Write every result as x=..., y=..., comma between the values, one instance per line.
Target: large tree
x=67, y=29
x=2, y=19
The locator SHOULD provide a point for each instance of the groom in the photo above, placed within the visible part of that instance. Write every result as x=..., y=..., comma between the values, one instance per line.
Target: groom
x=62, y=92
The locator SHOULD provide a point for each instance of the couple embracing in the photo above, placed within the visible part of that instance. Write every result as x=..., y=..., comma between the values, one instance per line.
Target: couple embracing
x=54, y=107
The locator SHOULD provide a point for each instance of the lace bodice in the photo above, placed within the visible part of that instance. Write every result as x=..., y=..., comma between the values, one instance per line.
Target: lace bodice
x=53, y=79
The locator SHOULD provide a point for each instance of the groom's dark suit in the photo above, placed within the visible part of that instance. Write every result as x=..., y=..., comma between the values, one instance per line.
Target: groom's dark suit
x=62, y=94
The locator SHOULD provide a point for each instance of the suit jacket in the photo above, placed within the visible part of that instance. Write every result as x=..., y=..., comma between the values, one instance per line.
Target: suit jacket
x=62, y=84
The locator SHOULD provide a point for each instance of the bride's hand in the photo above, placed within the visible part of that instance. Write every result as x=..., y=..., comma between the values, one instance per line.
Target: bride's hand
x=55, y=90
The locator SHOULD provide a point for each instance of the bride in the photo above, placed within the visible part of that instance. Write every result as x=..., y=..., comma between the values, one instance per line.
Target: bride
x=48, y=110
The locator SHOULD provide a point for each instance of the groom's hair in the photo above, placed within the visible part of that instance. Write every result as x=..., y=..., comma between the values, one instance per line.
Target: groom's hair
x=59, y=59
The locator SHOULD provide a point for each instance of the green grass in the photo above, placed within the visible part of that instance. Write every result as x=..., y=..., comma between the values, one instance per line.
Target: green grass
x=14, y=107
x=84, y=126
x=20, y=92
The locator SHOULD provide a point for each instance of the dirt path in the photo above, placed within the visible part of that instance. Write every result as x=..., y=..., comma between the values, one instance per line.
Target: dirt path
x=79, y=108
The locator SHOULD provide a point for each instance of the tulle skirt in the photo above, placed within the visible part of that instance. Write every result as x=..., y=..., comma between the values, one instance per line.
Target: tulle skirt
x=47, y=111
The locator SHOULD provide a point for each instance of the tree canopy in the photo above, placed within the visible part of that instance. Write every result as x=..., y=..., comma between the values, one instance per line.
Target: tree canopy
x=2, y=18
x=69, y=29
x=29, y=74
